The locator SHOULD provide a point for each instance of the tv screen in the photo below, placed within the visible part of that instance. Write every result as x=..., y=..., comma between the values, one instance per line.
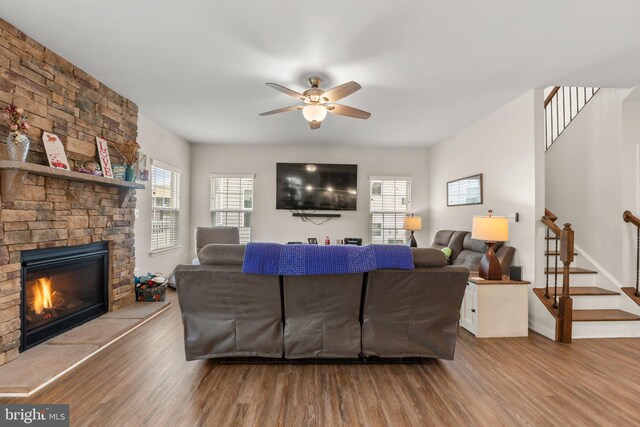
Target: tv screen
x=316, y=186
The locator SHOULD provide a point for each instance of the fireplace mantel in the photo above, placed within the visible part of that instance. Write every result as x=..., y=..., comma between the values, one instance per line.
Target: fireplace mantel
x=12, y=172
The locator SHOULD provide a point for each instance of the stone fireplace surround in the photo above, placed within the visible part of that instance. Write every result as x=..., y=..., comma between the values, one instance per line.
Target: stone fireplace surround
x=49, y=209
x=81, y=213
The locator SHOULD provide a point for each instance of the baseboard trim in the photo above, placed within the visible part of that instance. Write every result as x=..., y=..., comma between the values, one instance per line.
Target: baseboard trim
x=542, y=330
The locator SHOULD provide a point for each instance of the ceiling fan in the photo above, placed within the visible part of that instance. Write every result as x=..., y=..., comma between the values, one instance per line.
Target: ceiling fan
x=317, y=102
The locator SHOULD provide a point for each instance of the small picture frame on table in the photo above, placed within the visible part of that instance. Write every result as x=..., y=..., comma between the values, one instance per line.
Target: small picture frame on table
x=312, y=241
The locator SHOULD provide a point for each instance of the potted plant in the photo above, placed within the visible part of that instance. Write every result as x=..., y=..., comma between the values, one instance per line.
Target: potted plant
x=129, y=151
x=17, y=140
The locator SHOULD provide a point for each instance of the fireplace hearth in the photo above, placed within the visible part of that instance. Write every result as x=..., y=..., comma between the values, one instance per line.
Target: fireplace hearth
x=61, y=289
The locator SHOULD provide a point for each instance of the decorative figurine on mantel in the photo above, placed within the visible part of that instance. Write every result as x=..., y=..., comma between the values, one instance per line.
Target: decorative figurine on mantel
x=17, y=140
x=90, y=168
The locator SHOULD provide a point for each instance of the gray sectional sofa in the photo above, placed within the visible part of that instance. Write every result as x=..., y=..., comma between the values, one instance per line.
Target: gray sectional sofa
x=468, y=252
x=383, y=313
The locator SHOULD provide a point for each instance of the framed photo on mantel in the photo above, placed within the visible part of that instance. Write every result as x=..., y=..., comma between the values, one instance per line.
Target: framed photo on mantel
x=465, y=191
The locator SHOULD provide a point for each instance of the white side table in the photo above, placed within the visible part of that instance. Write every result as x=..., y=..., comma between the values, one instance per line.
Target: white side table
x=496, y=308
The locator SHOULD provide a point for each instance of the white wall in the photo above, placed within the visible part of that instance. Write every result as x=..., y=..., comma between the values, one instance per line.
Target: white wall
x=505, y=146
x=160, y=144
x=501, y=147
x=269, y=224
x=589, y=169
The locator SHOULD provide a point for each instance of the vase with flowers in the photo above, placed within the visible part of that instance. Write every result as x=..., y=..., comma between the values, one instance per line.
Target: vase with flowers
x=17, y=140
x=129, y=151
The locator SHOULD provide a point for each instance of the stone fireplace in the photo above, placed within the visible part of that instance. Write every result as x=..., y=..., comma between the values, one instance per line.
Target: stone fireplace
x=42, y=208
x=46, y=214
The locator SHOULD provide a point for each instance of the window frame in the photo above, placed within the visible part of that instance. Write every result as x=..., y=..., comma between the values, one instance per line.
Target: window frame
x=242, y=194
x=176, y=179
x=395, y=212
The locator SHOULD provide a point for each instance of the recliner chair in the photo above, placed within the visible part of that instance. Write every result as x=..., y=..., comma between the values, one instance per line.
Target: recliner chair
x=216, y=234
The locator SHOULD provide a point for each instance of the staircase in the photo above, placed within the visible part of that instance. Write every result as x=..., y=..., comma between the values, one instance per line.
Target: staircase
x=588, y=308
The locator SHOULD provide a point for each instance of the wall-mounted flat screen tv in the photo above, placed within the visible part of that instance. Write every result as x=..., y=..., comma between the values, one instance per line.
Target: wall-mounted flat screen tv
x=316, y=186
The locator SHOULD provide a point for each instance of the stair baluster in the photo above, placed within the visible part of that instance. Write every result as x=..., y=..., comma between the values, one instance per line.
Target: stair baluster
x=634, y=293
x=637, y=261
x=555, y=277
x=557, y=115
x=546, y=287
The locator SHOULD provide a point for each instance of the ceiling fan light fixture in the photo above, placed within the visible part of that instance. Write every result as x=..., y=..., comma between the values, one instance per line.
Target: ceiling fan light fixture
x=314, y=112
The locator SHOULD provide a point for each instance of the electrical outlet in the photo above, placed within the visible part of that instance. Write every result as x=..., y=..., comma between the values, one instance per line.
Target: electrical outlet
x=514, y=217
x=136, y=213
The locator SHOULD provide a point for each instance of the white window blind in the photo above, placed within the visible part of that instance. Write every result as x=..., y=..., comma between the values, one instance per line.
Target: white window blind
x=232, y=203
x=390, y=201
x=165, y=206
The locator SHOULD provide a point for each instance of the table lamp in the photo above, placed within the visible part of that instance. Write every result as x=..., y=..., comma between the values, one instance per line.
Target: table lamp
x=491, y=229
x=412, y=223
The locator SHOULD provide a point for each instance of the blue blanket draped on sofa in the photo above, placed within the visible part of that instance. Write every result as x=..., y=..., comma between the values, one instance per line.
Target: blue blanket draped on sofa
x=314, y=260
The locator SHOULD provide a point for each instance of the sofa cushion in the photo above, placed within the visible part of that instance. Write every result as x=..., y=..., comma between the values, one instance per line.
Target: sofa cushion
x=456, y=243
x=428, y=257
x=221, y=254
x=442, y=238
x=469, y=259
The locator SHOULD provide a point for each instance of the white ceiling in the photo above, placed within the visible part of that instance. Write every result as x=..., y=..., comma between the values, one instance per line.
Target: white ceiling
x=428, y=68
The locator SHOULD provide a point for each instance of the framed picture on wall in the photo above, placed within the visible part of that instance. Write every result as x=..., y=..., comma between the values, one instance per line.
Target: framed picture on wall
x=465, y=191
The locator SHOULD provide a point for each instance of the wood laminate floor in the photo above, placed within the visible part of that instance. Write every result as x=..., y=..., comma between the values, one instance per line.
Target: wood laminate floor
x=143, y=380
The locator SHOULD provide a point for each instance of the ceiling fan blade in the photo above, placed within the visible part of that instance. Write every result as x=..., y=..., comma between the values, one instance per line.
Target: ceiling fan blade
x=343, y=110
x=339, y=92
x=286, y=90
x=281, y=110
x=314, y=125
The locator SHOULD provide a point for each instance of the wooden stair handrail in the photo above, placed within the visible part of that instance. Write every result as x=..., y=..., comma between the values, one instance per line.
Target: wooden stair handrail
x=551, y=95
x=549, y=220
x=550, y=215
x=552, y=226
x=627, y=216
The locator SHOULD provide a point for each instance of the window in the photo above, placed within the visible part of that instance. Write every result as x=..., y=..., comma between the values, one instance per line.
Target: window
x=390, y=201
x=232, y=203
x=165, y=206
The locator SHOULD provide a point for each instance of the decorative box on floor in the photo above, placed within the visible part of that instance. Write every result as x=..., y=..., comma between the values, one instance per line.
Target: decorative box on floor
x=151, y=287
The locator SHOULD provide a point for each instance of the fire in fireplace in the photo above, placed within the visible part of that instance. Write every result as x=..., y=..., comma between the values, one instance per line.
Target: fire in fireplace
x=62, y=288
x=48, y=304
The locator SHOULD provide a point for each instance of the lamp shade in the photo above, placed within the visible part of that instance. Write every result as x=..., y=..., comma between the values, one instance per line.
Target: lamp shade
x=412, y=223
x=490, y=228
